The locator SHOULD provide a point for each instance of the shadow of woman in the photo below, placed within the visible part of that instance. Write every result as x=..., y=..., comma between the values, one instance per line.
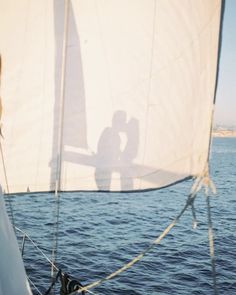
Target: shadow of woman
x=116, y=150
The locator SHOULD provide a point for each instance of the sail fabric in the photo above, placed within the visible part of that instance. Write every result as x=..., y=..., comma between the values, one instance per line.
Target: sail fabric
x=138, y=80
x=13, y=277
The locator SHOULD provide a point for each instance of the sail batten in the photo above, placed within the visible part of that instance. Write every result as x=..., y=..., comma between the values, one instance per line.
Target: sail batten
x=139, y=86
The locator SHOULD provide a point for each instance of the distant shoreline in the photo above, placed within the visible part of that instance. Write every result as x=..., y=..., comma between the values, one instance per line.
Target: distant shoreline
x=224, y=133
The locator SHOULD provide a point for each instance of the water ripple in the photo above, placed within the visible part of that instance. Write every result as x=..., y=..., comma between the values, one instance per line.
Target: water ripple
x=99, y=233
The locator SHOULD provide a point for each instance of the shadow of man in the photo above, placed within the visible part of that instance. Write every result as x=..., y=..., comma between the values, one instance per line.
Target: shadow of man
x=115, y=156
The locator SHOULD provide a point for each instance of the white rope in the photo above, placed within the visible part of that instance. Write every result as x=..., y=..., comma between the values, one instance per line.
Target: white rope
x=92, y=292
x=195, y=188
x=35, y=287
x=62, y=95
x=55, y=232
x=200, y=181
x=211, y=246
x=60, y=133
x=208, y=183
x=45, y=256
x=211, y=242
x=135, y=259
x=36, y=246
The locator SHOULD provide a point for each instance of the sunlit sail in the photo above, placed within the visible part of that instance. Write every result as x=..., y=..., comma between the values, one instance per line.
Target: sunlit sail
x=106, y=95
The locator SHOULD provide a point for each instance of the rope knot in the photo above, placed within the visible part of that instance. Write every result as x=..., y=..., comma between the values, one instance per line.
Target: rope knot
x=207, y=181
x=203, y=180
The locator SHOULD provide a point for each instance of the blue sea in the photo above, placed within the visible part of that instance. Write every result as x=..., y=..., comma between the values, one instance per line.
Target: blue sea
x=98, y=233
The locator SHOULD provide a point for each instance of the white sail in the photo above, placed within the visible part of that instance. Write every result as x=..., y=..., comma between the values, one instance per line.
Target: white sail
x=139, y=88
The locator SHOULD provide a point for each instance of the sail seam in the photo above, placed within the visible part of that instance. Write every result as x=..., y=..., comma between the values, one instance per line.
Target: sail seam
x=149, y=81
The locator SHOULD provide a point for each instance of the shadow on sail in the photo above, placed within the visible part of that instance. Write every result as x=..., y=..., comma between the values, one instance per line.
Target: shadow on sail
x=114, y=161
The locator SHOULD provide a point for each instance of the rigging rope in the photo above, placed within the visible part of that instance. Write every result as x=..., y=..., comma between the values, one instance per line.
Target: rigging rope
x=201, y=181
x=55, y=233
x=197, y=185
x=211, y=241
x=36, y=246
x=211, y=245
x=44, y=255
x=33, y=284
x=53, y=283
x=60, y=134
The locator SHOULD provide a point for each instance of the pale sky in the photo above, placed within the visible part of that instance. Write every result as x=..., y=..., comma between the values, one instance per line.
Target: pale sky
x=225, y=112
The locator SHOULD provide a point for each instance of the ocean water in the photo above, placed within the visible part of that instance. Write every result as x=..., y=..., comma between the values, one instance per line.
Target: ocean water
x=98, y=233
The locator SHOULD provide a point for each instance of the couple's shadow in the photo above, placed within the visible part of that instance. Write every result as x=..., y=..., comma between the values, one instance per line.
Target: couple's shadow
x=116, y=149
